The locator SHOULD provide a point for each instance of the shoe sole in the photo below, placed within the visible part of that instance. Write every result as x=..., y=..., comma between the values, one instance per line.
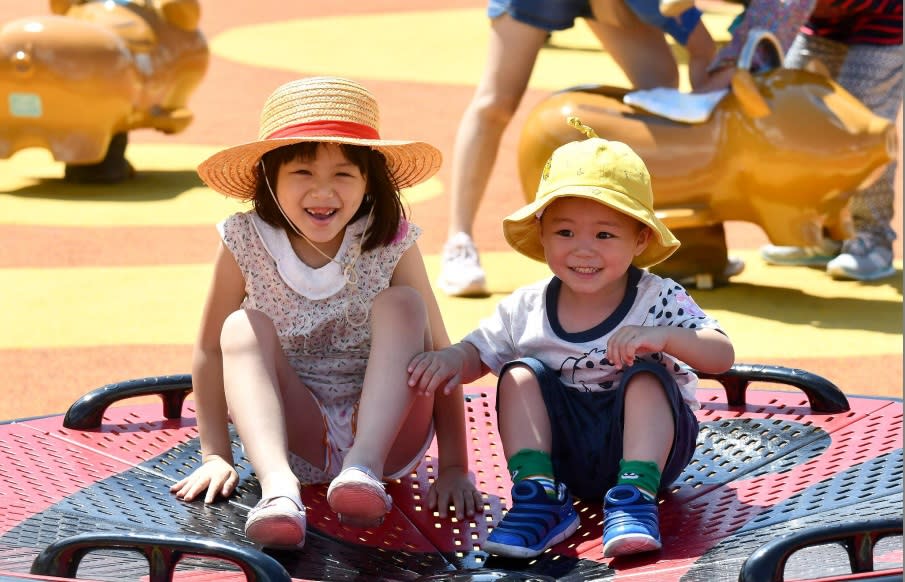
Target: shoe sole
x=803, y=262
x=358, y=505
x=276, y=532
x=846, y=275
x=630, y=544
x=471, y=290
x=523, y=552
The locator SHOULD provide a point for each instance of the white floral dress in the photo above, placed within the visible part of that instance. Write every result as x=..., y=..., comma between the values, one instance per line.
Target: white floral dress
x=321, y=321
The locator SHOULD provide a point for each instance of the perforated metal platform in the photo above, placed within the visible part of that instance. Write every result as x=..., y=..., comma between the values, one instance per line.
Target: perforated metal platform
x=768, y=467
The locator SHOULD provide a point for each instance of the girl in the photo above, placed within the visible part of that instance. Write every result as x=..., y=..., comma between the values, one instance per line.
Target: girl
x=319, y=300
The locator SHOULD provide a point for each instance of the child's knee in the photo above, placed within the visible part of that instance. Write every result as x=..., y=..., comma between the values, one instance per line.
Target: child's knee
x=243, y=326
x=644, y=384
x=403, y=304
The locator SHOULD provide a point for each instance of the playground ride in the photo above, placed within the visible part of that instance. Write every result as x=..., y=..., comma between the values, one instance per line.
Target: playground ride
x=793, y=480
x=781, y=148
x=75, y=82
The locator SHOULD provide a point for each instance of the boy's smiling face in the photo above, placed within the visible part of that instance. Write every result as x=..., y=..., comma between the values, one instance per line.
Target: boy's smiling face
x=590, y=246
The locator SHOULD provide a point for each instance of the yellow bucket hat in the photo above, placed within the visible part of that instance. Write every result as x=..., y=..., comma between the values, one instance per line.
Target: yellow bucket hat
x=608, y=172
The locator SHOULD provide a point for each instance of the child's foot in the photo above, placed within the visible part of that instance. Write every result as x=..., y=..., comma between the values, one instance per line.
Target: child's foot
x=534, y=523
x=631, y=522
x=276, y=522
x=358, y=497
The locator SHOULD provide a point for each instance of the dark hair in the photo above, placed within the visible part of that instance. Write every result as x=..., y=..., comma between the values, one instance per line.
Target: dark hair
x=381, y=191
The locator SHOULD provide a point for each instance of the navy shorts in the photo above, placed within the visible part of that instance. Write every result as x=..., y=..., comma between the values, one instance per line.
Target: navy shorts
x=547, y=15
x=553, y=15
x=587, y=429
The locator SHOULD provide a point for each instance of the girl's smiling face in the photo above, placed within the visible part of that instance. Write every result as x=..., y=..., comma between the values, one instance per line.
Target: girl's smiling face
x=590, y=246
x=321, y=195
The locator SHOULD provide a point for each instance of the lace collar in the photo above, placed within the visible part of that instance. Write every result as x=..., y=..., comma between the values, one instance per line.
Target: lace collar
x=309, y=282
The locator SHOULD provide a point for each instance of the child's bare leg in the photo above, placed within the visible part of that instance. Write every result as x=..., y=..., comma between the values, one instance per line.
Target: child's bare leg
x=631, y=521
x=388, y=406
x=649, y=428
x=393, y=420
x=260, y=387
x=523, y=421
x=542, y=513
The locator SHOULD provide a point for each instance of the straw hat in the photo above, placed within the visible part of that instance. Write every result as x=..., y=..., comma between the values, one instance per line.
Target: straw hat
x=317, y=109
x=608, y=172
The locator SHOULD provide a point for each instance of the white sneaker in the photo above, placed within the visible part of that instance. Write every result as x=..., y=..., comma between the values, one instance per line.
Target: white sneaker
x=461, y=274
x=862, y=259
x=816, y=256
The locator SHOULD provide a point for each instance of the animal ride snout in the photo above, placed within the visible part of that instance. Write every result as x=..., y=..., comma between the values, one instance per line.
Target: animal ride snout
x=76, y=81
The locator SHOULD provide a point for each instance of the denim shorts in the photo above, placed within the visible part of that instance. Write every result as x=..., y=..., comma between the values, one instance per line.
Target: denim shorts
x=587, y=429
x=547, y=15
x=679, y=28
x=553, y=15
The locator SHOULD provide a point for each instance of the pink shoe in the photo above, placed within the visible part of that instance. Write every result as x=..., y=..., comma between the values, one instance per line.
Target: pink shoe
x=358, y=497
x=276, y=522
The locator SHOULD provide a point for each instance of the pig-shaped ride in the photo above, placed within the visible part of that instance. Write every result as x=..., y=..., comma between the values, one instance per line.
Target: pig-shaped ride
x=75, y=82
x=782, y=149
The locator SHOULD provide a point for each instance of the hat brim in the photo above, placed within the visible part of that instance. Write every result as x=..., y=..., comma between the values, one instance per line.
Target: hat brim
x=232, y=171
x=522, y=232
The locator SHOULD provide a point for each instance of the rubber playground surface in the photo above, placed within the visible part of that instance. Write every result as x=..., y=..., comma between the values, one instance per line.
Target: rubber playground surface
x=105, y=283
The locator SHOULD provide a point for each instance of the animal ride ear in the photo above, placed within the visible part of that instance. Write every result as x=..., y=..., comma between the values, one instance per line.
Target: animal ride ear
x=748, y=96
x=183, y=14
x=60, y=6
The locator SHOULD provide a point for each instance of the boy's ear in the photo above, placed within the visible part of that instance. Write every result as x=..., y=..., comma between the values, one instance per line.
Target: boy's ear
x=643, y=239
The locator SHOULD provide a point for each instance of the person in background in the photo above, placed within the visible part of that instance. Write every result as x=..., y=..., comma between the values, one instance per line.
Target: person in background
x=859, y=42
x=631, y=31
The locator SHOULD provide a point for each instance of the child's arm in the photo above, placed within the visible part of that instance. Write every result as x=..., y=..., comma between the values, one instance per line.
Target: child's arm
x=705, y=349
x=216, y=474
x=452, y=485
x=442, y=370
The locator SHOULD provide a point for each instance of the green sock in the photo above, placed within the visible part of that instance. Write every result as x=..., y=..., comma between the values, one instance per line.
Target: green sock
x=645, y=475
x=534, y=465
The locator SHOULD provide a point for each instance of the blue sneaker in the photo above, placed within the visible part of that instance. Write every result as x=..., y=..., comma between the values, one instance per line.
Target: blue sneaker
x=631, y=522
x=534, y=523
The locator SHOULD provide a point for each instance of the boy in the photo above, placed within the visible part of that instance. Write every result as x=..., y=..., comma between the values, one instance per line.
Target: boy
x=593, y=397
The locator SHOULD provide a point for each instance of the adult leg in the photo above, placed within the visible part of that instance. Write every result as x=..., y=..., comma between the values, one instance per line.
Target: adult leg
x=640, y=50
x=511, y=55
x=873, y=74
x=805, y=52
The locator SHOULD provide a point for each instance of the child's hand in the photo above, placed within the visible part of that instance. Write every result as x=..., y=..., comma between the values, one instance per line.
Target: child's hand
x=215, y=475
x=635, y=340
x=432, y=371
x=454, y=487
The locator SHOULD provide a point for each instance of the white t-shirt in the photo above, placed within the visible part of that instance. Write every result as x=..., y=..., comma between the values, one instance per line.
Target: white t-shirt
x=526, y=324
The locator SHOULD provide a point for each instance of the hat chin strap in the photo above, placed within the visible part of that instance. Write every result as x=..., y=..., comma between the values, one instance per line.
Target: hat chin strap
x=349, y=273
